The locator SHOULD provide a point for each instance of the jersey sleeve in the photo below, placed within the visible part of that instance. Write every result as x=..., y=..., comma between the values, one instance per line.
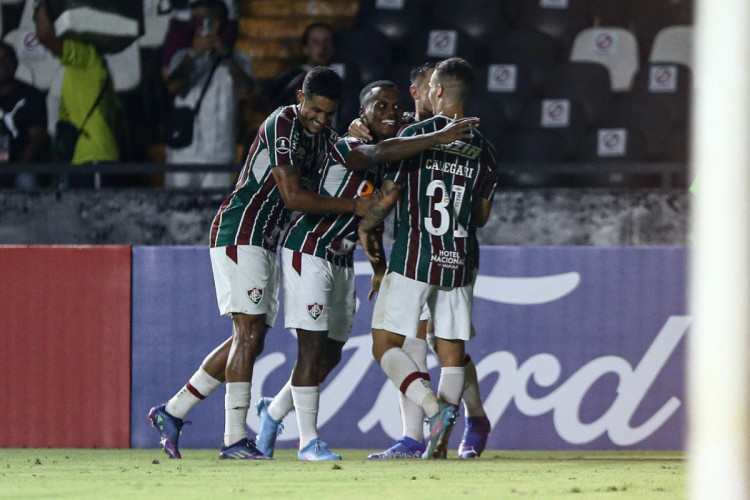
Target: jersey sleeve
x=279, y=132
x=396, y=171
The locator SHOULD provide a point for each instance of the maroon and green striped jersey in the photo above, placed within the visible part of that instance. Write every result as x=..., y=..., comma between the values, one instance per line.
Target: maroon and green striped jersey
x=254, y=213
x=333, y=236
x=435, y=240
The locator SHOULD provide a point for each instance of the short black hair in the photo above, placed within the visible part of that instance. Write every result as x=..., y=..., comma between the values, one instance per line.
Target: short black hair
x=306, y=34
x=323, y=81
x=420, y=71
x=460, y=71
x=219, y=5
x=377, y=83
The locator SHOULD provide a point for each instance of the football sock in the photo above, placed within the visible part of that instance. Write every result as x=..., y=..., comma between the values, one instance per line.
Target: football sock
x=451, y=384
x=199, y=387
x=236, y=404
x=471, y=397
x=282, y=402
x=412, y=415
x=409, y=380
x=306, y=401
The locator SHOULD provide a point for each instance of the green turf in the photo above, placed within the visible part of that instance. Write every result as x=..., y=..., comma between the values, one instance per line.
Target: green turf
x=78, y=473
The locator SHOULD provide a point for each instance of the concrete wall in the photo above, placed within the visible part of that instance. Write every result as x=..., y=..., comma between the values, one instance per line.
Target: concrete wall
x=148, y=216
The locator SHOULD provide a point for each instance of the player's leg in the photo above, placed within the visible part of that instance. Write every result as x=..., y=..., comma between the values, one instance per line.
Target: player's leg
x=395, y=317
x=411, y=442
x=251, y=299
x=451, y=314
x=476, y=424
x=168, y=419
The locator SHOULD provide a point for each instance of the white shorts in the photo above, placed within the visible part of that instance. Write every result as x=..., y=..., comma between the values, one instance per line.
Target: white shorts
x=399, y=307
x=246, y=278
x=318, y=295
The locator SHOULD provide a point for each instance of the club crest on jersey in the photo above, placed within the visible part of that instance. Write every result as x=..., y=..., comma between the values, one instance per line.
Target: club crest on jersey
x=282, y=146
x=315, y=310
x=255, y=295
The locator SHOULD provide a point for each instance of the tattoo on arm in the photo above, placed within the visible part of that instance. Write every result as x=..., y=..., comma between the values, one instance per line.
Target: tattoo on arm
x=380, y=207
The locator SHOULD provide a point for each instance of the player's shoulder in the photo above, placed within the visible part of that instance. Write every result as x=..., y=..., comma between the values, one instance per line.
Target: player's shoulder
x=348, y=142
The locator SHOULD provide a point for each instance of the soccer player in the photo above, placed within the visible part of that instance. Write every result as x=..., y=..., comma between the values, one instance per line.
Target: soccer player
x=476, y=424
x=317, y=264
x=443, y=196
x=244, y=235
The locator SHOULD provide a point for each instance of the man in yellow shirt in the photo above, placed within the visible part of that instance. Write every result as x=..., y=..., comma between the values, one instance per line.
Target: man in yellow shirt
x=85, y=75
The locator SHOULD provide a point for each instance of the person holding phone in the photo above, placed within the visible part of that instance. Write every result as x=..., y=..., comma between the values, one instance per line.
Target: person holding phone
x=210, y=78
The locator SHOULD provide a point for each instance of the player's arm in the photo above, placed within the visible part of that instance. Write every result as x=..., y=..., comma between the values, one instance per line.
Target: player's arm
x=481, y=212
x=382, y=203
x=297, y=198
x=375, y=241
x=400, y=148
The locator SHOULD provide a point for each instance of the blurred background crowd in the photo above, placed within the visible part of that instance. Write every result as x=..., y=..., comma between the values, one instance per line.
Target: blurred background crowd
x=576, y=82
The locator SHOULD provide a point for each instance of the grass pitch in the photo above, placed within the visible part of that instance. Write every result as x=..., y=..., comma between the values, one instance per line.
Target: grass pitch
x=82, y=473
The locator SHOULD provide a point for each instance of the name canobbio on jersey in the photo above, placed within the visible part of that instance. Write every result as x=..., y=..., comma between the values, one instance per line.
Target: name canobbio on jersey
x=513, y=379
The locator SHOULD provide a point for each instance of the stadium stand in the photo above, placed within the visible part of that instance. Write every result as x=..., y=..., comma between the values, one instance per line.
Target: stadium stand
x=536, y=51
x=611, y=144
x=506, y=89
x=397, y=19
x=367, y=48
x=560, y=19
x=585, y=82
x=615, y=48
x=673, y=44
x=437, y=44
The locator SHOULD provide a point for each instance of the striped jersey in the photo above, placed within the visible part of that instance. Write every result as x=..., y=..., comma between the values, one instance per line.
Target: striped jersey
x=435, y=241
x=254, y=213
x=333, y=236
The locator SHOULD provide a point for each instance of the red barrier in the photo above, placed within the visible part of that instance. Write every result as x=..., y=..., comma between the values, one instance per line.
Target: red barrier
x=65, y=352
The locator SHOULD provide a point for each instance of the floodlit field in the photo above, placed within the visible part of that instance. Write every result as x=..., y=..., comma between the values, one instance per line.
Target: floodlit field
x=77, y=473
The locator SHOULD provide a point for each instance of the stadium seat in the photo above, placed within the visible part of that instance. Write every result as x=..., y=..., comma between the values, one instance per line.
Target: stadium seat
x=438, y=44
x=668, y=84
x=39, y=62
x=647, y=17
x=610, y=13
x=673, y=44
x=367, y=48
x=482, y=20
x=534, y=50
x=397, y=19
x=615, y=48
x=611, y=144
x=533, y=145
x=363, y=44
x=585, y=82
x=560, y=19
x=155, y=24
x=642, y=115
x=677, y=146
x=567, y=117
x=507, y=88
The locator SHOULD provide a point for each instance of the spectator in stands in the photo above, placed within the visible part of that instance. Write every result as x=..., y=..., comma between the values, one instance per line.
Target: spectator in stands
x=225, y=74
x=317, y=46
x=23, y=121
x=182, y=27
x=88, y=100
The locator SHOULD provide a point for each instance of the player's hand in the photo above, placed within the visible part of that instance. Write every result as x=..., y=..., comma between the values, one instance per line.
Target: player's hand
x=359, y=130
x=369, y=246
x=377, y=278
x=362, y=205
x=458, y=129
x=203, y=43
